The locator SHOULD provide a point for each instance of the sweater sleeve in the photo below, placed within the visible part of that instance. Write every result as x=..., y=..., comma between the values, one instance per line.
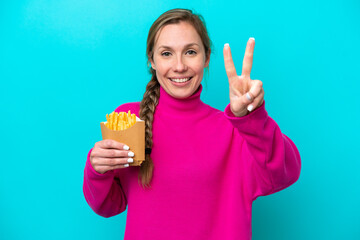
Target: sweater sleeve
x=103, y=192
x=272, y=161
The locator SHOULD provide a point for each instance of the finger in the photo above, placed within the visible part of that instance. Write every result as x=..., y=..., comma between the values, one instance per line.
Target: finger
x=111, y=153
x=257, y=101
x=229, y=63
x=248, y=57
x=242, y=102
x=109, y=143
x=112, y=161
x=104, y=169
x=255, y=89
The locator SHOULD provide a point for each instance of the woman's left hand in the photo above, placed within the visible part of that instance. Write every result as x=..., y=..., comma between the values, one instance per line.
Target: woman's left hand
x=245, y=94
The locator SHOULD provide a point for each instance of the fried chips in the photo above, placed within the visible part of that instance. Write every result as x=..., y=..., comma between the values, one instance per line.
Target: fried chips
x=120, y=121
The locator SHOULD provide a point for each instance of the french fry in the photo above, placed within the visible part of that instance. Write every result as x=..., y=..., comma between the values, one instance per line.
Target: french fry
x=111, y=120
x=116, y=121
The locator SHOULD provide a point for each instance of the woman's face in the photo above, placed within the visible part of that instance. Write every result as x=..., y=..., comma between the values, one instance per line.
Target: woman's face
x=179, y=59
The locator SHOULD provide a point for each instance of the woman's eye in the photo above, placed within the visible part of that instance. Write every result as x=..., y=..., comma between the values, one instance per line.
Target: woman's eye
x=165, y=54
x=191, y=52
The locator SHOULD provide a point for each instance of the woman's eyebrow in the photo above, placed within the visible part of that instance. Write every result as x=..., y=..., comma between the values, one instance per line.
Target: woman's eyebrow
x=186, y=46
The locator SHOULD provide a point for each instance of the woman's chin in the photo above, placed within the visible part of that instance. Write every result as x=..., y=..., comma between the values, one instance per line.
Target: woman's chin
x=182, y=93
x=180, y=90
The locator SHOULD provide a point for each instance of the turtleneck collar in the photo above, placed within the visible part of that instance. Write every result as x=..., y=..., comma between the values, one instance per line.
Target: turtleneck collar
x=174, y=106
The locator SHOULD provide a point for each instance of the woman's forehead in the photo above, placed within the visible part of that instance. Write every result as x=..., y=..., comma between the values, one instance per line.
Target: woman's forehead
x=176, y=35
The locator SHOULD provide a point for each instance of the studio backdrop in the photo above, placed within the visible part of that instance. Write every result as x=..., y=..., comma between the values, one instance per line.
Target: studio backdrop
x=65, y=64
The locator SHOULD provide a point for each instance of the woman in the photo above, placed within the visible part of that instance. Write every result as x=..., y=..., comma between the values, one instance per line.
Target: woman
x=203, y=167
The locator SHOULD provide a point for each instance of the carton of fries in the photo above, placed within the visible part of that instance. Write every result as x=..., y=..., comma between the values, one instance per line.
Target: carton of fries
x=128, y=129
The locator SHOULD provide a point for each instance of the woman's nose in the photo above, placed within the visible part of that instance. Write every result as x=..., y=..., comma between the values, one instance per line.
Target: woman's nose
x=180, y=65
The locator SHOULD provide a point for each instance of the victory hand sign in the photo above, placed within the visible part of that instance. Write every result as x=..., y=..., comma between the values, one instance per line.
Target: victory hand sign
x=245, y=94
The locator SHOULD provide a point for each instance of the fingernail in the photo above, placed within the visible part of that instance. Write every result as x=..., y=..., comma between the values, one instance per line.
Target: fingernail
x=226, y=45
x=126, y=165
x=252, y=38
x=130, y=160
x=131, y=154
x=250, y=108
x=126, y=147
x=248, y=97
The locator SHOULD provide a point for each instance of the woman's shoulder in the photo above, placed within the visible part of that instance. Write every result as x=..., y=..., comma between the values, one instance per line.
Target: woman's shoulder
x=133, y=107
x=215, y=114
x=213, y=111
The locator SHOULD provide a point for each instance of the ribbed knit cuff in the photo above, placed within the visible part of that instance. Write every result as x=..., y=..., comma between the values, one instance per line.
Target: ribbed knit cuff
x=254, y=121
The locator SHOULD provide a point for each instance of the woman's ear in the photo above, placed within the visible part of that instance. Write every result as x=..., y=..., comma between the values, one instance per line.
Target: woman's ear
x=207, y=59
x=152, y=63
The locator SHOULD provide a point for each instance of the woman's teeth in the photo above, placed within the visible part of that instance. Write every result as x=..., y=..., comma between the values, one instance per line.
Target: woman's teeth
x=180, y=80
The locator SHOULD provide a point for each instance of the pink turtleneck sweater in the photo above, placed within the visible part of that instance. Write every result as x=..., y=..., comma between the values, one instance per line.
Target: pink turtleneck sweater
x=209, y=166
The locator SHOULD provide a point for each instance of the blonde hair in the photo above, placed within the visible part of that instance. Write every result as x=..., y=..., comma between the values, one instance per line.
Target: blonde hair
x=152, y=93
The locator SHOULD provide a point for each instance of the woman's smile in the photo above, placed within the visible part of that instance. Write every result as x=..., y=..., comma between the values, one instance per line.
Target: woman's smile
x=180, y=80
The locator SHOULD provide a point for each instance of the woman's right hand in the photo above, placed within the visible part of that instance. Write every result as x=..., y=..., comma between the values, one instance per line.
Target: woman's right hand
x=109, y=155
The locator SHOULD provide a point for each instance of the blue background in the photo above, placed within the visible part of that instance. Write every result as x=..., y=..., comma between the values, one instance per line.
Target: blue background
x=65, y=64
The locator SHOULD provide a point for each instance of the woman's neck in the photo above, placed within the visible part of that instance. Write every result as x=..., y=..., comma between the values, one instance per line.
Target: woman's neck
x=175, y=106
